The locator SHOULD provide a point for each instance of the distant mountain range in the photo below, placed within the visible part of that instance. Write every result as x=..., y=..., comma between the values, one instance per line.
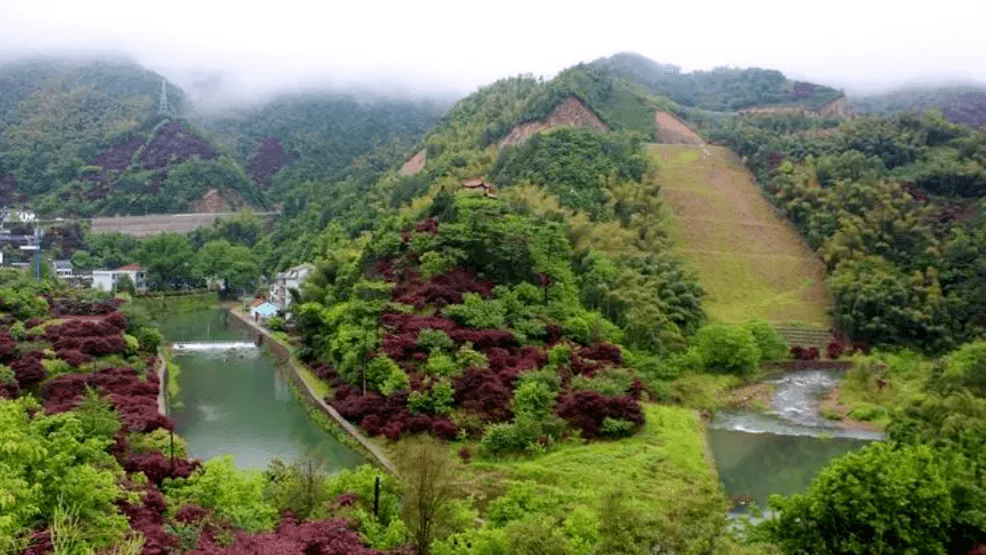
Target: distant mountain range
x=964, y=104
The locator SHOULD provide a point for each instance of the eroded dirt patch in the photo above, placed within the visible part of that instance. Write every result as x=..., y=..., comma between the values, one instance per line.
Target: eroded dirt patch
x=671, y=130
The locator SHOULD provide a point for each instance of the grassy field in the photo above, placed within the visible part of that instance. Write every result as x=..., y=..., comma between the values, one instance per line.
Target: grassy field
x=662, y=463
x=751, y=262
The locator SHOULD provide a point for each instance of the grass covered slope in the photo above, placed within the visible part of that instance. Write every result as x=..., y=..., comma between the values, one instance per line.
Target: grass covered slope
x=751, y=263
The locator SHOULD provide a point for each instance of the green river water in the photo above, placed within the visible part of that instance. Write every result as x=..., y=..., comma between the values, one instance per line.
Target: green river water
x=234, y=400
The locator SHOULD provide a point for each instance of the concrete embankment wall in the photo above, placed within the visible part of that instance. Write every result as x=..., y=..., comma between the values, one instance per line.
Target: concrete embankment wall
x=288, y=362
x=162, y=378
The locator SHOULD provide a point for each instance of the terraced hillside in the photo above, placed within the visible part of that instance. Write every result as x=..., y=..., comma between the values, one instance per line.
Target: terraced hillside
x=751, y=262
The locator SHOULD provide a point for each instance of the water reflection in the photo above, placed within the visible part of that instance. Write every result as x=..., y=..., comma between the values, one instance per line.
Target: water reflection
x=232, y=399
x=780, y=452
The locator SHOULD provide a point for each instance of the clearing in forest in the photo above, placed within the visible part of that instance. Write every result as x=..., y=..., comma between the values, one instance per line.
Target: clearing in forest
x=751, y=263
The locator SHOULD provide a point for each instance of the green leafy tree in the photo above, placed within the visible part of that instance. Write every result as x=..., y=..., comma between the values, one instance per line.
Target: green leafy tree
x=728, y=349
x=880, y=499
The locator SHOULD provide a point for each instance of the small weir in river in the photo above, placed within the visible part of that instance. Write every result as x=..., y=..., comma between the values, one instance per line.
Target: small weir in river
x=780, y=451
x=234, y=400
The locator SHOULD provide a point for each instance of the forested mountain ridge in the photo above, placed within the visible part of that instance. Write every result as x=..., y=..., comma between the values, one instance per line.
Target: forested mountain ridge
x=963, y=104
x=719, y=90
x=86, y=137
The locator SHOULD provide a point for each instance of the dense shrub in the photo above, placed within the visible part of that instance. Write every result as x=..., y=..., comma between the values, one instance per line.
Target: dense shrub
x=586, y=411
x=728, y=349
x=770, y=344
x=28, y=370
x=804, y=353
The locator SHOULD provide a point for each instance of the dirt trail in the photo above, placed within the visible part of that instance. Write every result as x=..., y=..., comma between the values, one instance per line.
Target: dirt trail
x=752, y=263
x=671, y=130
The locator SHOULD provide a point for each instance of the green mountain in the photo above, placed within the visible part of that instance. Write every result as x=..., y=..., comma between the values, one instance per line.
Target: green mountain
x=722, y=89
x=963, y=104
x=86, y=138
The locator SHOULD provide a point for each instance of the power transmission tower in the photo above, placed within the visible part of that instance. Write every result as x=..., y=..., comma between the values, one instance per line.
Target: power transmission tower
x=164, y=98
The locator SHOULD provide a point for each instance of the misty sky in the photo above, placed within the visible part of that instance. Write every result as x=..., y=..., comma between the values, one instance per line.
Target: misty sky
x=456, y=46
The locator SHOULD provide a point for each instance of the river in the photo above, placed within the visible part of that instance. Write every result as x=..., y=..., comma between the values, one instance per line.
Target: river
x=234, y=400
x=780, y=451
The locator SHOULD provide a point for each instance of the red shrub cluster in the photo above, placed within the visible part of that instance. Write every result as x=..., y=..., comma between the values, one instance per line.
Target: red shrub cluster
x=10, y=390
x=802, y=353
x=835, y=348
x=442, y=290
x=81, y=328
x=191, y=514
x=28, y=370
x=427, y=225
x=157, y=467
x=8, y=347
x=602, y=352
x=89, y=337
x=586, y=410
x=266, y=160
x=171, y=145
x=147, y=518
x=324, y=537
x=133, y=399
x=74, y=357
x=39, y=544
x=484, y=393
x=119, y=157
x=387, y=416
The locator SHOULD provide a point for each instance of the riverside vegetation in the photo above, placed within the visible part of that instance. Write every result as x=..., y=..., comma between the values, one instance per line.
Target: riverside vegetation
x=548, y=337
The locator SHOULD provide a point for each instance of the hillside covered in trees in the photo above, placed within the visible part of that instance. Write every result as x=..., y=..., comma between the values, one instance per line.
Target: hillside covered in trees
x=962, y=104
x=86, y=137
x=719, y=90
x=521, y=299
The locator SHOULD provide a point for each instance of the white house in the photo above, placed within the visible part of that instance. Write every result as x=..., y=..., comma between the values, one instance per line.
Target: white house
x=63, y=268
x=287, y=280
x=107, y=279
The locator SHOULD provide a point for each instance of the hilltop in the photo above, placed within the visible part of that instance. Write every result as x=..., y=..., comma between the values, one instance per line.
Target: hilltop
x=962, y=104
x=723, y=89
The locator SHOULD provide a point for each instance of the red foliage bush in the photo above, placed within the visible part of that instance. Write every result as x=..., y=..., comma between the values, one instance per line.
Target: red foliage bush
x=586, y=410
x=10, y=390
x=835, y=348
x=119, y=157
x=39, y=543
x=171, y=145
x=324, y=537
x=118, y=320
x=483, y=340
x=157, y=467
x=134, y=400
x=444, y=429
x=191, y=514
x=8, y=347
x=28, y=370
x=442, y=290
x=427, y=225
x=267, y=159
x=802, y=353
x=400, y=347
x=148, y=519
x=74, y=357
x=482, y=392
x=602, y=352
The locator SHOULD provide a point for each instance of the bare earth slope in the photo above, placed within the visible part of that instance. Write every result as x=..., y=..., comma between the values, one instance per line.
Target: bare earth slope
x=671, y=130
x=751, y=262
